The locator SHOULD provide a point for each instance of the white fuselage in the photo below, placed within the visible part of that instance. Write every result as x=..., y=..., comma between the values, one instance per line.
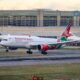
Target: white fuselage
x=24, y=41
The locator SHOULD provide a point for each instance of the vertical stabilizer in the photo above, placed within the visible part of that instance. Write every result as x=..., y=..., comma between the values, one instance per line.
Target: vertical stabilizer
x=66, y=33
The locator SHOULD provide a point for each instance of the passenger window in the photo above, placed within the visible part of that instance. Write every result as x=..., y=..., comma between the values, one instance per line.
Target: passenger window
x=5, y=40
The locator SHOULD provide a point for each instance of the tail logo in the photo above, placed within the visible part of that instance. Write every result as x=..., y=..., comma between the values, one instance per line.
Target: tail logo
x=67, y=33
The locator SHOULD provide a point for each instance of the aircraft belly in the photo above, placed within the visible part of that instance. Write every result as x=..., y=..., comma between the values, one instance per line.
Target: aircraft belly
x=15, y=44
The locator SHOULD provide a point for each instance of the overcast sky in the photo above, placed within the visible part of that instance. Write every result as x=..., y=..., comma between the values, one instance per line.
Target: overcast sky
x=40, y=4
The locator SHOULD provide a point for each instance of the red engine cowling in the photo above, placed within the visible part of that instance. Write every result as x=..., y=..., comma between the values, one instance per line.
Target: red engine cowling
x=43, y=47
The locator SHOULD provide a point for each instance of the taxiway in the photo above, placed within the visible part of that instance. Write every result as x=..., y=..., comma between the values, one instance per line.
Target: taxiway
x=53, y=57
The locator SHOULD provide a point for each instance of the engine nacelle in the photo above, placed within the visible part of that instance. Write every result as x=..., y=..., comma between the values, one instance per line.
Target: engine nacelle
x=43, y=47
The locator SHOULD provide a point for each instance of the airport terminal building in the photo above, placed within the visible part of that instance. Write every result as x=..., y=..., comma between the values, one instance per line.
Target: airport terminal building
x=39, y=18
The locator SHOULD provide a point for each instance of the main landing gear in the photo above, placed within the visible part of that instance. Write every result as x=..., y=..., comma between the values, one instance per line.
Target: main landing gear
x=43, y=52
x=29, y=51
x=7, y=50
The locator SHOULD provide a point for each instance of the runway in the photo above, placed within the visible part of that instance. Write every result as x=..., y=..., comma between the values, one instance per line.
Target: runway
x=53, y=57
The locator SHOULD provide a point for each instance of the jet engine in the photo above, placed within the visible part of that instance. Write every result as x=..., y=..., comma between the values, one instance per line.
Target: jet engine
x=43, y=47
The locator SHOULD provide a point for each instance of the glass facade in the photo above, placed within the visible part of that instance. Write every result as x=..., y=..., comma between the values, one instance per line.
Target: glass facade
x=18, y=21
x=79, y=20
x=30, y=21
x=65, y=20
x=4, y=20
x=49, y=20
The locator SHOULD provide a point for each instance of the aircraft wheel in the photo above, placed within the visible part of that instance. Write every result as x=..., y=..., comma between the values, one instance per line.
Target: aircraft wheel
x=29, y=52
x=43, y=52
x=7, y=50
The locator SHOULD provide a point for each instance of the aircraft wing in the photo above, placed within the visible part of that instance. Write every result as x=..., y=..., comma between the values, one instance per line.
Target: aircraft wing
x=65, y=42
x=54, y=43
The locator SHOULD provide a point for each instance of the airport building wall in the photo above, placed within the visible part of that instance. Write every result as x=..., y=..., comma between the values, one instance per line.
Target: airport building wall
x=38, y=18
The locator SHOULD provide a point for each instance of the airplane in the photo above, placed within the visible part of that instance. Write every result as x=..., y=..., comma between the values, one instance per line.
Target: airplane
x=13, y=42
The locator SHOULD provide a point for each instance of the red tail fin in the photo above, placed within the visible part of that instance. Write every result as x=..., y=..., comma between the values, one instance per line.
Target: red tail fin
x=67, y=33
